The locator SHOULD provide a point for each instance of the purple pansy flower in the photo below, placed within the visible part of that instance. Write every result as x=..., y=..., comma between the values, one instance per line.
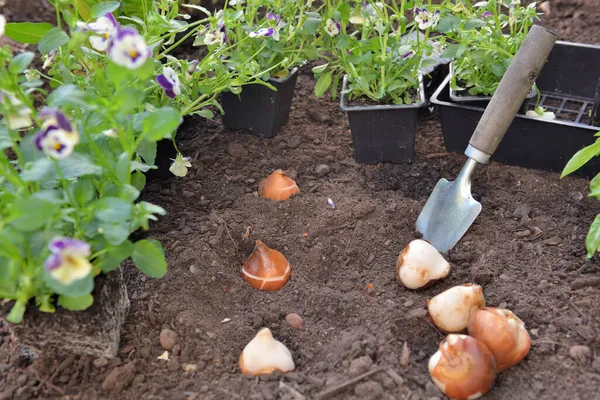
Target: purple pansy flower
x=58, y=136
x=169, y=82
x=104, y=28
x=219, y=35
x=408, y=54
x=425, y=18
x=128, y=48
x=68, y=261
x=192, y=66
x=332, y=27
x=269, y=32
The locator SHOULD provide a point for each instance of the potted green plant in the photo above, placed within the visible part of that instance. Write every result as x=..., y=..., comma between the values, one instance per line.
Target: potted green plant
x=266, y=42
x=71, y=170
x=487, y=35
x=381, y=61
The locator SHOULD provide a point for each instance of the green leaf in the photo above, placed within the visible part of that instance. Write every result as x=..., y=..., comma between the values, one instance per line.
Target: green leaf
x=83, y=191
x=30, y=214
x=76, y=303
x=80, y=287
x=592, y=241
x=581, y=157
x=5, y=141
x=147, y=150
x=98, y=10
x=474, y=23
x=138, y=180
x=78, y=164
x=312, y=25
x=149, y=257
x=115, y=233
x=83, y=9
x=52, y=40
x=27, y=32
x=161, y=123
x=113, y=209
x=20, y=62
x=206, y=113
x=448, y=23
x=115, y=256
x=323, y=83
x=68, y=94
x=122, y=169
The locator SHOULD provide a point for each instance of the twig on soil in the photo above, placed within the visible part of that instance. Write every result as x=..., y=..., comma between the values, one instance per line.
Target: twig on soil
x=296, y=394
x=435, y=155
x=226, y=229
x=548, y=342
x=44, y=382
x=336, y=389
x=228, y=392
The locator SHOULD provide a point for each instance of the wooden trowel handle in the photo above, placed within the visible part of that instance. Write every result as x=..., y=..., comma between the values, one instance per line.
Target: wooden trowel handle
x=512, y=89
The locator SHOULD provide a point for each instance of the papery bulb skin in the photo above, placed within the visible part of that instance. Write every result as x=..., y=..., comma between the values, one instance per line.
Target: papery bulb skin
x=277, y=187
x=420, y=264
x=266, y=269
x=463, y=368
x=451, y=309
x=263, y=355
x=503, y=333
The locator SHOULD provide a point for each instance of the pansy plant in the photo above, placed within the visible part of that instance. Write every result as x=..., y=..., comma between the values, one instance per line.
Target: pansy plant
x=374, y=45
x=485, y=37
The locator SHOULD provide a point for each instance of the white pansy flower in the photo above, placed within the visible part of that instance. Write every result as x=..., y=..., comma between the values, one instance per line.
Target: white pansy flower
x=180, y=165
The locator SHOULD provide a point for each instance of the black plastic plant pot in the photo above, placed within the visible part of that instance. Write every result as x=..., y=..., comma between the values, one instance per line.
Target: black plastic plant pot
x=383, y=133
x=463, y=97
x=567, y=86
x=260, y=109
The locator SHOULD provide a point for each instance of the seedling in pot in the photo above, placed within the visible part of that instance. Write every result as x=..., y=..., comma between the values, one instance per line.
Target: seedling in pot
x=486, y=37
x=381, y=58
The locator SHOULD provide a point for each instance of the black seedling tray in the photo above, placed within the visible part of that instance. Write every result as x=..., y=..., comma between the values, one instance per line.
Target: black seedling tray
x=259, y=108
x=383, y=133
x=567, y=85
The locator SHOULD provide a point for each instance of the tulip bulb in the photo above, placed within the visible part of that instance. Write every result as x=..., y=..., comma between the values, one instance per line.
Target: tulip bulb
x=503, y=333
x=277, y=186
x=463, y=368
x=264, y=354
x=420, y=263
x=266, y=269
x=450, y=310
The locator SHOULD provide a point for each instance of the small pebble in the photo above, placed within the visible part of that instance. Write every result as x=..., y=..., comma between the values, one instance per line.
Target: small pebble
x=190, y=367
x=100, y=362
x=294, y=320
x=194, y=269
x=522, y=211
x=553, y=241
x=580, y=353
x=322, y=169
x=168, y=338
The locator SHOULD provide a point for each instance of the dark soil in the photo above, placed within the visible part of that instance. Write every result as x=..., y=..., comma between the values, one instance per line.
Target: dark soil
x=526, y=249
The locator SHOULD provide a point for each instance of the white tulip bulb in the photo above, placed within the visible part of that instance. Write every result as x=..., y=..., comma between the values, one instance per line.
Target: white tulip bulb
x=450, y=310
x=420, y=263
x=264, y=354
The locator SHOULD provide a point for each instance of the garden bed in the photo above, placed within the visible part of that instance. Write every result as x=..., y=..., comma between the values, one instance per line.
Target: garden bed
x=526, y=249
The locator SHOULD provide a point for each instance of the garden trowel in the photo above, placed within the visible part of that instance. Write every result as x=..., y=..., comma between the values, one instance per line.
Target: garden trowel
x=451, y=209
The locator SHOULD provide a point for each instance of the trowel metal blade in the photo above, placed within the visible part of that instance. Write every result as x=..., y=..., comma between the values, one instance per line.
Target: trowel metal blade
x=448, y=214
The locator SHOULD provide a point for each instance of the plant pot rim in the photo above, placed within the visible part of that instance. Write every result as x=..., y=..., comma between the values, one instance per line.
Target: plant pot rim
x=345, y=107
x=458, y=98
x=446, y=82
x=293, y=72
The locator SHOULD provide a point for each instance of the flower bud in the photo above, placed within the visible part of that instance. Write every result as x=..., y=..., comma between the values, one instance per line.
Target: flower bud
x=264, y=354
x=450, y=310
x=503, y=333
x=463, y=368
x=420, y=263
x=266, y=269
x=277, y=186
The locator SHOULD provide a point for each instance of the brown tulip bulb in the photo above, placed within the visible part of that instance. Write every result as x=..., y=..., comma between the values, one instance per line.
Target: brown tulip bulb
x=266, y=269
x=503, y=333
x=463, y=368
x=277, y=187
